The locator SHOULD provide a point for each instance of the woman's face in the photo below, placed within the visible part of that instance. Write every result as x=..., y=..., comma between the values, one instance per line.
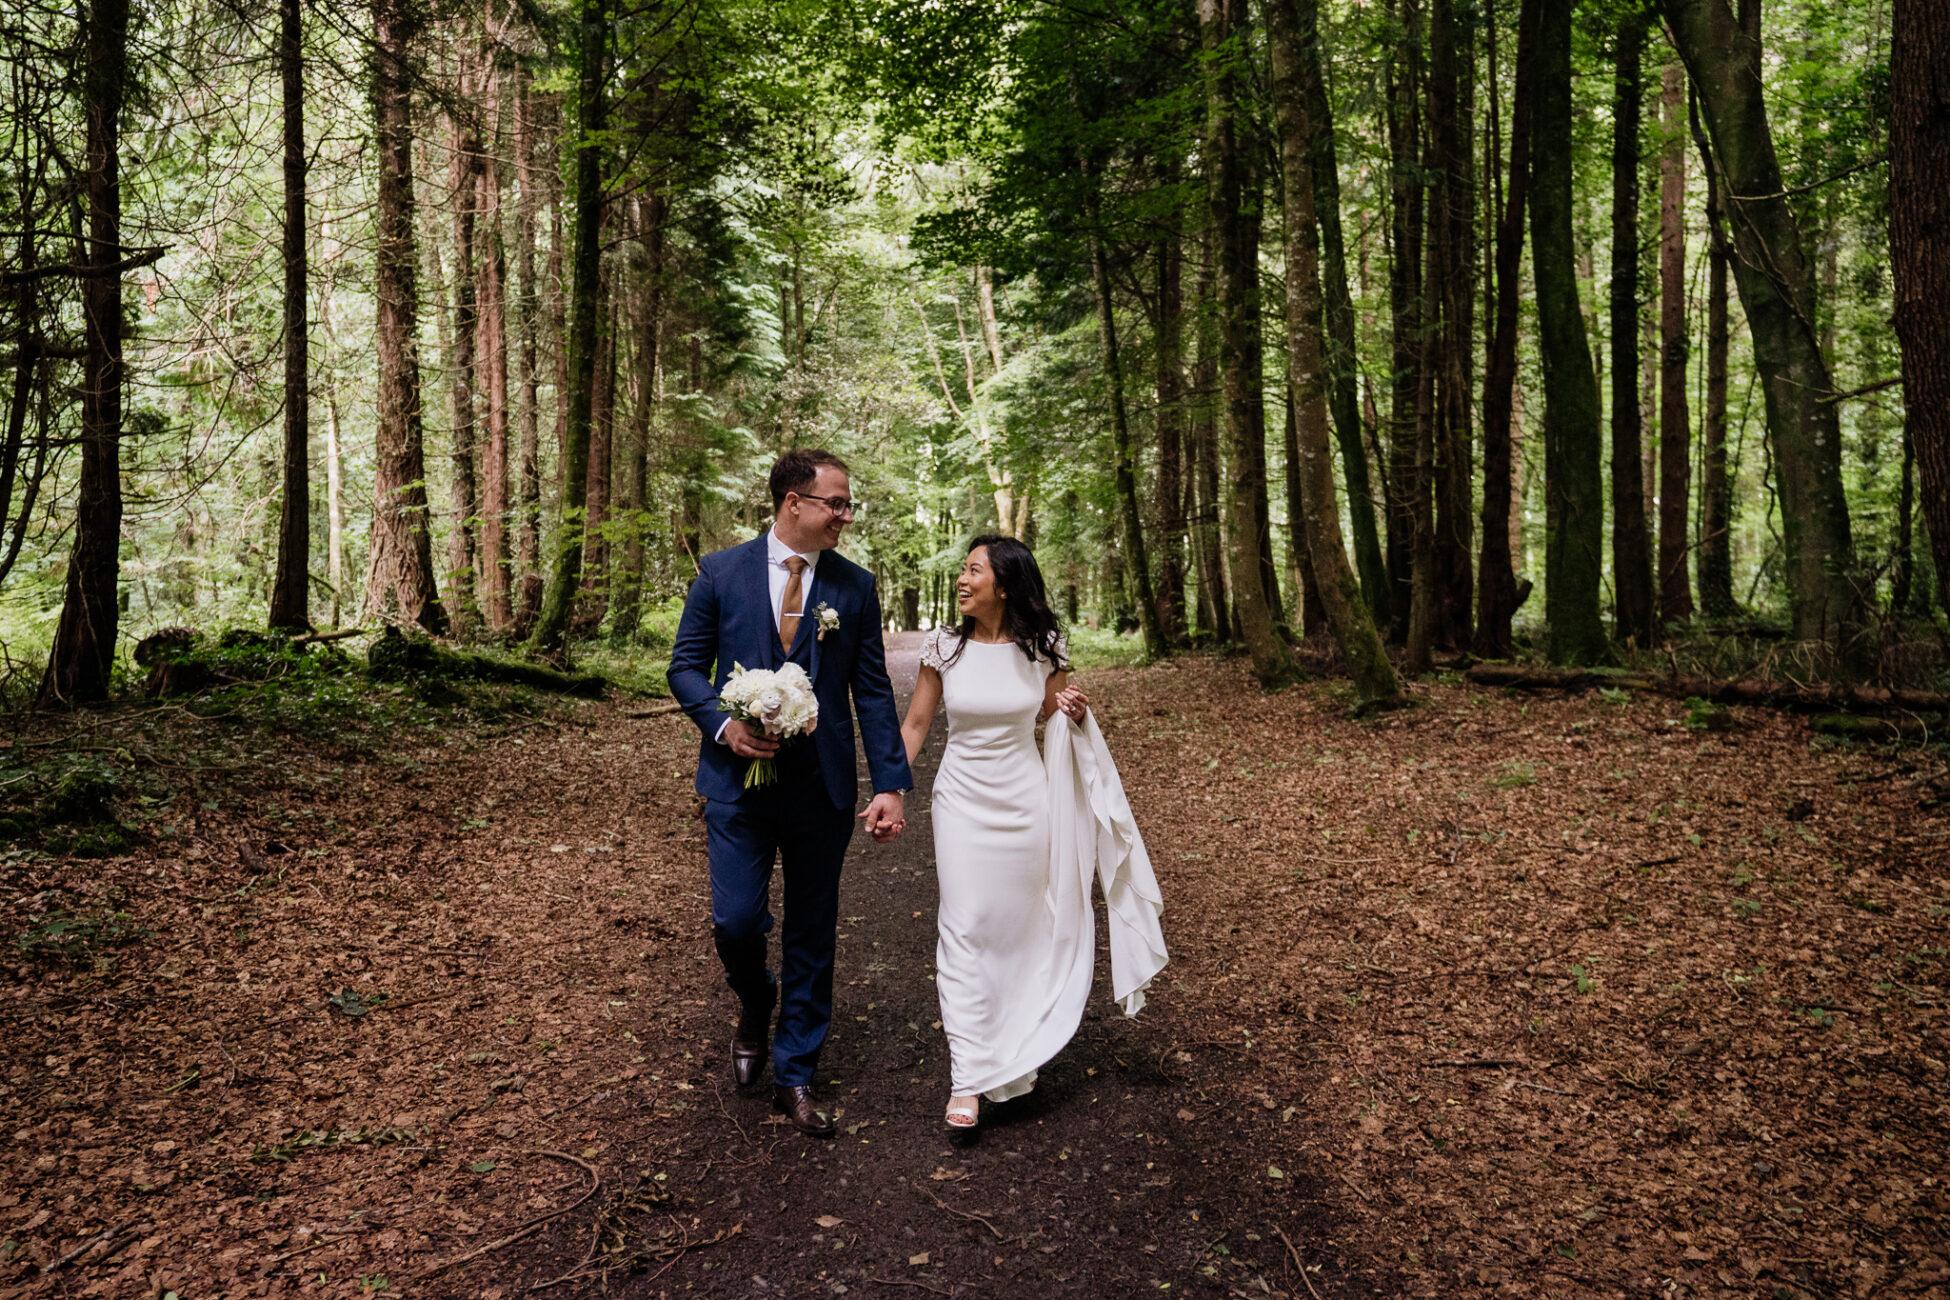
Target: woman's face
x=976, y=595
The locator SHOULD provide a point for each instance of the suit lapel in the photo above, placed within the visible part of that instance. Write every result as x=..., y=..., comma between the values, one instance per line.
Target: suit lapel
x=809, y=622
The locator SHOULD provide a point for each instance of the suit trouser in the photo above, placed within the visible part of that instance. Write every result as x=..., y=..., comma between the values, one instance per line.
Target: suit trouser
x=794, y=823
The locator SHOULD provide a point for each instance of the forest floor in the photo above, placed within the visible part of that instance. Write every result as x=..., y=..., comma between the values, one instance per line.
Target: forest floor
x=1526, y=997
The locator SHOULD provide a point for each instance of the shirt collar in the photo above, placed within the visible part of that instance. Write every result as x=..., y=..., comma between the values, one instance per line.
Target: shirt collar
x=777, y=552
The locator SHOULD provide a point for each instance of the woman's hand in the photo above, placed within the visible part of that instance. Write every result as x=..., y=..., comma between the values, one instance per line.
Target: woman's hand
x=1073, y=702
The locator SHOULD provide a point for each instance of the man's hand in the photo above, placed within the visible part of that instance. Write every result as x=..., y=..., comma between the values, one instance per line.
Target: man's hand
x=883, y=817
x=747, y=741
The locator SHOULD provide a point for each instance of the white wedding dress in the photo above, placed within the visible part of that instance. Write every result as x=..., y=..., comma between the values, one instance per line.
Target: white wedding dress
x=1016, y=945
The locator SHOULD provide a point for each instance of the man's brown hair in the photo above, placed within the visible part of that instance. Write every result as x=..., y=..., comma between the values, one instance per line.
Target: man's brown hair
x=798, y=469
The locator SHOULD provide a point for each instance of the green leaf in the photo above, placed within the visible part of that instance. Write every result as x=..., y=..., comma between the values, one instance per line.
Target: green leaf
x=1569, y=1252
x=484, y=1166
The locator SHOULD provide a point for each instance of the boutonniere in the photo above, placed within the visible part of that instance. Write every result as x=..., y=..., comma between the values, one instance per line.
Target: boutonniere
x=829, y=618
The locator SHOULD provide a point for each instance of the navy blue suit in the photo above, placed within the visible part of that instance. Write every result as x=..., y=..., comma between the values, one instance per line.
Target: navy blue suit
x=805, y=818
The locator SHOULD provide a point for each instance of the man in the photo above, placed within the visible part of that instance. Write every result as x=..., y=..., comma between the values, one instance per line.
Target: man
x=788, y=596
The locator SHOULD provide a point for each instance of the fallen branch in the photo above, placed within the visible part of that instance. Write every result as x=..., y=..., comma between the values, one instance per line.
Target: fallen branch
x=103, y=1237
x=1298, y=1266
x=895, y=1281
x=661, y=711
x=964, y=1214
x=525, y=1229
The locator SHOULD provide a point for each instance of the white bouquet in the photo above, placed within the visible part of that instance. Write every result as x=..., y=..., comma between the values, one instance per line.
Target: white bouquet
x=779, y=703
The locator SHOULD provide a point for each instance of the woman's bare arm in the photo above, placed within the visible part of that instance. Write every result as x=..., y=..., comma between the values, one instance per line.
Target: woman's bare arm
x=920, y=711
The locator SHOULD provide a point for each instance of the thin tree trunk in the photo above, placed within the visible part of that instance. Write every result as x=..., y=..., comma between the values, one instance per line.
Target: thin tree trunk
x=334, y=505
x=1675, y=414
x=463, y=160
x=291, y=589
x=565, y=578
x=1715, y=489
x=1498, y=596
x=1450, y=236
x=1573, y=561
x=493, y=354
x=1222, y=42
x=1169, y=425
x=600, y=493
x=528, y=490
x=83, y=654
x=1919, y=245
x=1631, y=554
x=1315, y=510
x=1214, y=605
x=646, y=376
x=1776, y=282
x=399, y=576
x=1343, y=366
x=1405, y=302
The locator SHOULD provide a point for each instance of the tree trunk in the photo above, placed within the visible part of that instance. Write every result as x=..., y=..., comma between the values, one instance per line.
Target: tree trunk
x=1452, y=195
x=1214, y=604
x=1776, y=282
x=1318, y=514
x=528, y=489
x=1631, y=554
x=1405, y=304
x=1343, y=363
x=646, y=375
x=334, y=505
x=399, y=575
x=1123, y=471
x=291, y=589
x=1675, y=413
x=493, y=355
x=1238, y=279
x=1919, y=246
x=597, y=497
x=1169, y=425
x=1715, y=489
x=463, y=162
x=1573, y=561
x=83, y=655
x=565, y=578
x=1497, y=593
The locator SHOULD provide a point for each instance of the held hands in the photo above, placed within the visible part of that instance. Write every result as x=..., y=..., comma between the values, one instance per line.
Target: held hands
x=883, y=817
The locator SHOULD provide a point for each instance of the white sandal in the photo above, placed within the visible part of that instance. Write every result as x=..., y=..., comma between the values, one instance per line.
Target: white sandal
x=963, y=1118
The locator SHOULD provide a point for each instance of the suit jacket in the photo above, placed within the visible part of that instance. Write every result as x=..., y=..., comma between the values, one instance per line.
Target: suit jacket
x=728, y=620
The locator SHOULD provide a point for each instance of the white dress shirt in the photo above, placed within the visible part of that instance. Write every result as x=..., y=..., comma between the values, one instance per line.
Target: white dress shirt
x=776, y=576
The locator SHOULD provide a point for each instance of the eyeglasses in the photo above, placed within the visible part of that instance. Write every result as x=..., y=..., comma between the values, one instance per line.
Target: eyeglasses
x=838, y=505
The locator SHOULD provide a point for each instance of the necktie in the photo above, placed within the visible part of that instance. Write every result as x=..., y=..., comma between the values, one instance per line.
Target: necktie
x=790, y=607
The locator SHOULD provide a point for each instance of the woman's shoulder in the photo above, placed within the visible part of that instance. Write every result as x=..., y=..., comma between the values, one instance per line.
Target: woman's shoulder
x=937, y=647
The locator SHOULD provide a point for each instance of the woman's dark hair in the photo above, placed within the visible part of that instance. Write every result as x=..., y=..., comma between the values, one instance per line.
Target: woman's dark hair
x=797, y=470
x=1026, y=615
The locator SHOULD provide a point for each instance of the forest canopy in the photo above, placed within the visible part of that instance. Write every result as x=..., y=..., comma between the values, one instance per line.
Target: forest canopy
x=1387, y=329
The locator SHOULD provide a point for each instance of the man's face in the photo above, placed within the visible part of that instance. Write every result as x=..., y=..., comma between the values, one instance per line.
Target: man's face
x=814, y=522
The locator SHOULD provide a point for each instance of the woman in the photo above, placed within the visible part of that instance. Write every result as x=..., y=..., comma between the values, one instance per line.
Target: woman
x=1013, y=962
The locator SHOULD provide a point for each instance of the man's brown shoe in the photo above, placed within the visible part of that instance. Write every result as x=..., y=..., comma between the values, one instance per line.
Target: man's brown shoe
x=796, y=1103
x=748, y=1047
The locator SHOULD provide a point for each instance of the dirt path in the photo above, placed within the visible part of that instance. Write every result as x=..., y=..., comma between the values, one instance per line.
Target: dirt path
x=1116, y=1177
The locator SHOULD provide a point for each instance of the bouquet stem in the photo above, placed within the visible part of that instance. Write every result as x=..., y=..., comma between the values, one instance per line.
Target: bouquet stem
x=763, y=771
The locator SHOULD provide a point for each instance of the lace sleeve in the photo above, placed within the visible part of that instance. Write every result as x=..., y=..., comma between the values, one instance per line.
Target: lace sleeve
x=1059, y=661
x=931, y=652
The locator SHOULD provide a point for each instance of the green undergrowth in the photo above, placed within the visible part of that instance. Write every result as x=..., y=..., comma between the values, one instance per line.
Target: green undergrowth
x=1092, y=647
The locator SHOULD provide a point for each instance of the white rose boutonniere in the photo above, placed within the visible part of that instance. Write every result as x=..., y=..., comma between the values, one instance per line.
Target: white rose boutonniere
x=829, y=618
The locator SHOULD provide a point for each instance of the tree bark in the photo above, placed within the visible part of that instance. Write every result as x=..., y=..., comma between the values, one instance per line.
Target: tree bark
x=1169, y=426
x=1631, y=547
x=493, y=359
x=1308, y=377
x=291, y=588
x=463, y=162
x=1715, y=489
x=528, y=488
x=1214, y=604
x=1405, y=304
x=1776, y=283
x=1573, y=561
x=82, y=658
x=399, y=576
x=1343, y=362
x=1452, y=195
x=647, y=392
x=1497, y=597
x=565, y=578
x=1238, y=277
x=1919, y=246
x=1675, y=412
x=1123, y=473
x=597, y=498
